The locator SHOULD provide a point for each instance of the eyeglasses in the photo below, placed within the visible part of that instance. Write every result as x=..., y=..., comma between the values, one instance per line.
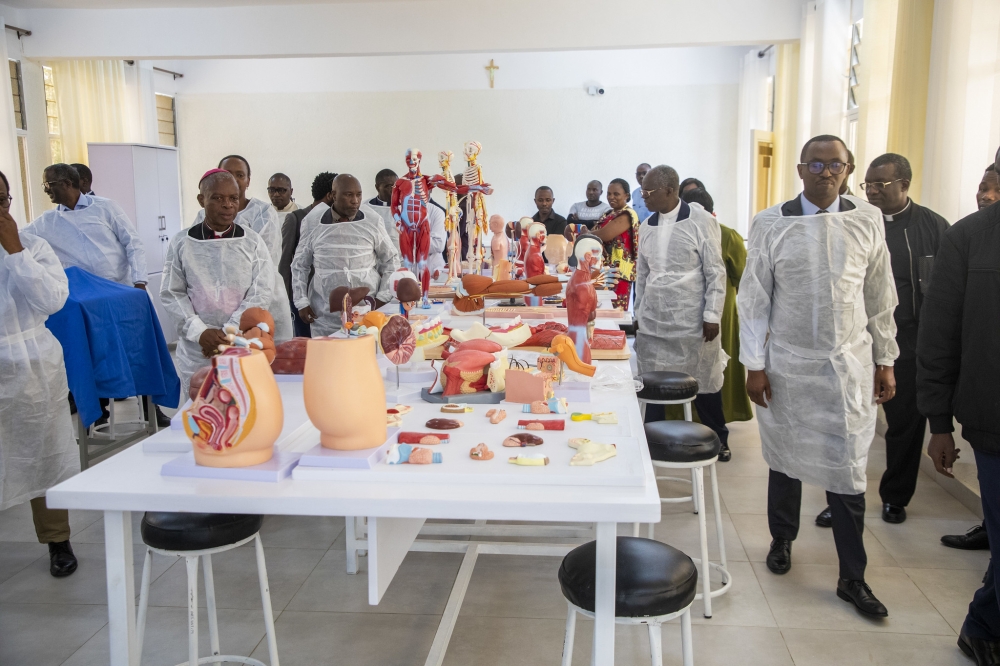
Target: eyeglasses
x=5, y=201
x=50, y=183
x=816, y=168
x=878, y=187
x=647, y=193
x=277, y=190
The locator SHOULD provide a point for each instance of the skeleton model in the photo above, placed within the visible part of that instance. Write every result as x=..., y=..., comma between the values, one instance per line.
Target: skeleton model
x=451, y=221
x=410, y=198
x=475, y=206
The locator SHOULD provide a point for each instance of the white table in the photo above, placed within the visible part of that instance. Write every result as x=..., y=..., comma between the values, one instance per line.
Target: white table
x=131, y=481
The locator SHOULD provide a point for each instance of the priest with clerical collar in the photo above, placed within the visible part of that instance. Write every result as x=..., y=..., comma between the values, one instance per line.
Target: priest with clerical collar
x=349, y=247
x=817, y=337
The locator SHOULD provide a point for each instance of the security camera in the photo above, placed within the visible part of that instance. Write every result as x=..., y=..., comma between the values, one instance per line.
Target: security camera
x=595, y=90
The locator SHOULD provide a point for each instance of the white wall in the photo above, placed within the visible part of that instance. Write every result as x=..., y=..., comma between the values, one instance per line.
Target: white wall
x=558, y=136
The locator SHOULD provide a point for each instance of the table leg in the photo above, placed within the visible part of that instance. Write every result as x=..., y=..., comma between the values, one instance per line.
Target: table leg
x=351, y=544
x=604, y=595
x=121, y=588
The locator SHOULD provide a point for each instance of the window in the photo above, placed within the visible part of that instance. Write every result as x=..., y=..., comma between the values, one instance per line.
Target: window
x=165, y=120
x=16, y=89
x=22, y=153
x=852, y=74
x=52, y=113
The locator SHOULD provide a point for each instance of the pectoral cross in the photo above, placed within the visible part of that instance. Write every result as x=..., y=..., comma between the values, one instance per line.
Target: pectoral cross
x=491, y=68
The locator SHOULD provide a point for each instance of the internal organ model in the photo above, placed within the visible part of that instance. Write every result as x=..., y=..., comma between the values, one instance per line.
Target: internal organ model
x=255, y=332
x=581, y=297
x=475, y=205
x=499, y=246
x=410, y=198
x=452, y=218
x=521, y=236
x=534, y=262
x=237, y=415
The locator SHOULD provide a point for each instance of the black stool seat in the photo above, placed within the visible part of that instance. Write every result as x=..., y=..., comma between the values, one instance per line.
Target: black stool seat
x=652, y=578
x=197, y=531
x=681, y=441
x=667, y=385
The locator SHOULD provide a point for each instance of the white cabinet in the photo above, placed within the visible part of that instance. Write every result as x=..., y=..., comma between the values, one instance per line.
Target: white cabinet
x=144, y=180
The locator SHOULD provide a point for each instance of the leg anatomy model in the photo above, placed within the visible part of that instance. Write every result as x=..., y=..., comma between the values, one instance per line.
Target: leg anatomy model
x=410, y=198
x=475, y=207
x=451, y=221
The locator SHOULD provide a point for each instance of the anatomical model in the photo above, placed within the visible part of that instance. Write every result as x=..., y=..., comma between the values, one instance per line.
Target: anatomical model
x=410, y=198
x=401, y=454
x=475, y=205
x=534, y=262
x=499, y=246
x=452, y=218
x=521, y=235
x=589, y=452
x=255, y=332
x=237, y=415
x=581, y=297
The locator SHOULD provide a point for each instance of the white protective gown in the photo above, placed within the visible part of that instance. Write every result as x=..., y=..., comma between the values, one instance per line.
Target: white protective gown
x=312, y=218
x=439, y=240
x=815, y=306
x=37, y=445
x=261, y=217
x=680, y=285
x=99, y=238
x=344, y=254
x=208, y=284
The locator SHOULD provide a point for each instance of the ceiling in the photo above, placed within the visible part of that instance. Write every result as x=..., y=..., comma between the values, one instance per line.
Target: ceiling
x=149, y=4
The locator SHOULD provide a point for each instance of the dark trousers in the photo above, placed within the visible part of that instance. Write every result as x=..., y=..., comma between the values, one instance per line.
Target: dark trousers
x=709, y=406
x=904, y=440
x=983, y=620
x=302, y=329
x=784, y=502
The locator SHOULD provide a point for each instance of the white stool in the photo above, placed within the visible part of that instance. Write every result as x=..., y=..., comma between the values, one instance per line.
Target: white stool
x=663, y=591
x=692, y=446
x=182, y=533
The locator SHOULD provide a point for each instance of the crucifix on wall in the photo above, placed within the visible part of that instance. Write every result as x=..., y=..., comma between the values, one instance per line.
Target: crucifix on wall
x=491, y=68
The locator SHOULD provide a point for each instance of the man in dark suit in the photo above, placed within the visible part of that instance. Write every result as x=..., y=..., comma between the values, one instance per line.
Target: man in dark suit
x=322, y=192
x=958, y=378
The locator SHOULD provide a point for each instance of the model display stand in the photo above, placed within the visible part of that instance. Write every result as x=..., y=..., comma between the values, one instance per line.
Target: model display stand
x=279, y=467
x=319, y=456
x=481, y=398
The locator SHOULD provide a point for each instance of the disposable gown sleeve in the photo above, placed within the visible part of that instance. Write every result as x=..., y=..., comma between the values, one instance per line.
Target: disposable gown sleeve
x=714, y=269
x=641, y=275
x=129, y=238
x=439, y=237
x=301, y=265
x=261, y=289
x=753, y=301
x=270, y=233
x=36, y=272
x=174, y=294
x=880, y=302
x=388, y=262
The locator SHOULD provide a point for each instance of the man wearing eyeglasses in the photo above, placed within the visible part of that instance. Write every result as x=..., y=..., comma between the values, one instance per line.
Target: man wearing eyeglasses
x=279, y=191
x=818, y=341
x=912, y=234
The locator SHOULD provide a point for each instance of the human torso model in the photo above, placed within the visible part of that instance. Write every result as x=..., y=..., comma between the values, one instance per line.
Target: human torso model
x=499, y=246
x=475, y=215
x=451, y=220
x=581, y=297
x=534, y=262
x=521, y=236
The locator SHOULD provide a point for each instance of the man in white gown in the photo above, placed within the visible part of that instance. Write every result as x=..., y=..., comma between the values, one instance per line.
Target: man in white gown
x=817, y=337
x=213, y=271
x=261, y=217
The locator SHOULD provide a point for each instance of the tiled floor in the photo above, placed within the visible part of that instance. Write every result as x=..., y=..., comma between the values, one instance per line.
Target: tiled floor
x=514, y=612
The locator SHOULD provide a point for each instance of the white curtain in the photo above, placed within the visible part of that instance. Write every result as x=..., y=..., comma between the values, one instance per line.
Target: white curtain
x=10, y=163
x=96, y=105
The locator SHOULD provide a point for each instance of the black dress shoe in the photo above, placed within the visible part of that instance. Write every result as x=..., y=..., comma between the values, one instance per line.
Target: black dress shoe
x=859, y=594
x=974, y=539
x=825, y=518
x=779, y=558
x=893, y=514
x=162, y=420
x=725, y=455
x=62, y=561
x=984, y=653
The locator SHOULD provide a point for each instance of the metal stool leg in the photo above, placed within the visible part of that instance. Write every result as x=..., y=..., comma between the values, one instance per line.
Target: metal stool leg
x=697, y=500
x=706, y=584
x=635, y=529
x=655, y=643
x=687, y=647
x=567, y=656
x=265, y=598
x=147, y=566
x=642, y=410
x=192, y=574
x=213, y=618
x=687, y=411
x=718, y=517
x=649, y=534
